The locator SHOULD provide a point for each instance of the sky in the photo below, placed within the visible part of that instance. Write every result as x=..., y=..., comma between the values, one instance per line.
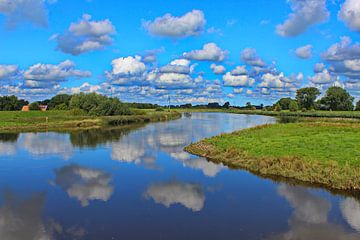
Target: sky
x=195, y=51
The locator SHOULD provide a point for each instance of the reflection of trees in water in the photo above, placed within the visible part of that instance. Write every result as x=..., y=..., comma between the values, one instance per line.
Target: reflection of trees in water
x=21, y=219
x=9, y=137
x=310, y=217
x=84, y=184
x=190, y=195
x=94, y=137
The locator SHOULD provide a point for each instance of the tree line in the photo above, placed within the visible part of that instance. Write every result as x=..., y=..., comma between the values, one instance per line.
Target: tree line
x=88, y=104
x=334, y=99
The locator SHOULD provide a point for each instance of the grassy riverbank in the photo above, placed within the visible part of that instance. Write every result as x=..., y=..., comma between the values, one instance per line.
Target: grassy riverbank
x=323, y=153
x=37, y=120
x=323, y=114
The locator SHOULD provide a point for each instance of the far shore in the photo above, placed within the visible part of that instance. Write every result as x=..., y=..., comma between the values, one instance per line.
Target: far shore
x=16, y=121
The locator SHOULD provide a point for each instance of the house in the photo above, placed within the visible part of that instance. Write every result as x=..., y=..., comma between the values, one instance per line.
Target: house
x=25, y=108
x=43, y=108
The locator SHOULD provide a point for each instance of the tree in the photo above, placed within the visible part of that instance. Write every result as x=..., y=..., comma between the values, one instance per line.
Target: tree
x=61, y=99
x=226, y=105
x=98, y=105
x=213, y=105
x=248, y=105
x=293, y=106
x=338, y=99
x=358, y=106
x=35, y=106
x=306, y=97
x=11, y=103
x=285, y=103
x=277, y=108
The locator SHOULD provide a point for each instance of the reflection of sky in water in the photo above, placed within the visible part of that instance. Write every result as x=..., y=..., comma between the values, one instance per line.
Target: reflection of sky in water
x=136, y=183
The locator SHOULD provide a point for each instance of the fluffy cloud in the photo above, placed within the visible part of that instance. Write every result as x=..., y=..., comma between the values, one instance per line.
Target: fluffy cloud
x=210, y=52
x=8, y=71
x=239, y=70
x=343, y=50
x=47, y=75
x=319, y=67
x=217, y=69
x=189, y=195
x=190, y=24
x=85, y=36
x=304, y=52
x=238, y=80
x=305, y=14
x=127, y=71
x=18, y=11
x=250, y=57
x=323, y=77
x=84, y=184
x=344, y=58
x=350, y=14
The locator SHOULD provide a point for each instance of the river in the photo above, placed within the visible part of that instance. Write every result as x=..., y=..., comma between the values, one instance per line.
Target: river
x=138, y=183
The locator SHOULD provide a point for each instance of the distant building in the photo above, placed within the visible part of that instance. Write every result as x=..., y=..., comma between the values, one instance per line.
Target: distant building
x=43, y=108
x=25, y=108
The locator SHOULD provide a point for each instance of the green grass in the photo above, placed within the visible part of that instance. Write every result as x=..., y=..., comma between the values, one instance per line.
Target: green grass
x=325, y=153
x=320, y=142
x=37, y=120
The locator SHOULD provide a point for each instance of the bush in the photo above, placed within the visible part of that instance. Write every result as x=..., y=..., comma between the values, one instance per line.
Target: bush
x=98, y=105
x=159, y=109
x=293, y=106
x=11, y=103
x=35, y=106
x=303, y=109
x=277, y=108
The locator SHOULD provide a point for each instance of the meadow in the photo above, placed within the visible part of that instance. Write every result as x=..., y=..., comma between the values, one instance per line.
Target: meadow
x=318, y=152
x=68, y=119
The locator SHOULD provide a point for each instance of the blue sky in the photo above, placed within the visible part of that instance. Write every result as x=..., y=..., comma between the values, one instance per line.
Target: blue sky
x=148, y=50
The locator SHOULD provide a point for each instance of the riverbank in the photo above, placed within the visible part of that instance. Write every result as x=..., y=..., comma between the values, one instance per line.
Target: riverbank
x=56, y=120
x=322, y=153
x=312, y=114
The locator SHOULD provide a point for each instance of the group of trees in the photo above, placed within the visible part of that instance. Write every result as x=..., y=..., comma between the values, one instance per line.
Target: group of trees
x=98, y=105
x=11, y=103
x=335, y=99
x=92, y=104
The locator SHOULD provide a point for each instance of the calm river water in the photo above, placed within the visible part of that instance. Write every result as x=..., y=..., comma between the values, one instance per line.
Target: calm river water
x=138, y=183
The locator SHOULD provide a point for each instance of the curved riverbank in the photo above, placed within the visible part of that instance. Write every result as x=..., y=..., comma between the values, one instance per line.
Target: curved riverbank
x=322, y=153
x=306, y=114
x=60, y=120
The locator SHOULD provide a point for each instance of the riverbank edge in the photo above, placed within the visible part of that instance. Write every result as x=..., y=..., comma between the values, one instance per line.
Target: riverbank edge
x=329, y=175
x=307, y=114
x=92, y=122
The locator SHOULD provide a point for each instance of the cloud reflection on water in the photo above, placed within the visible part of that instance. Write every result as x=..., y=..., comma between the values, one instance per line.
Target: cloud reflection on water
x=310, y=217
x=84, y=184
x=189, y=195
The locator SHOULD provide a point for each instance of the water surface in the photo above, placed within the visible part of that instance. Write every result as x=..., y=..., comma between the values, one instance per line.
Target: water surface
x=138, y=183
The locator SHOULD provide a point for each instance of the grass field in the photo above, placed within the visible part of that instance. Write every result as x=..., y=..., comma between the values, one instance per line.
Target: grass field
x=325, y=153
x=37, y=120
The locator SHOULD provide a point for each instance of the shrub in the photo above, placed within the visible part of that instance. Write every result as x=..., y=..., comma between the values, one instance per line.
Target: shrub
x=98, y=105
x=293, y=106
x=35, y=106
x=277, y=108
